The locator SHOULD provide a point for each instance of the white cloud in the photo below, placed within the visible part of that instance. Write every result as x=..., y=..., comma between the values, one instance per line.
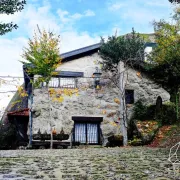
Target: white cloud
x=66, y=17
x=162, y=3
x=11, y=50
x=42, y=17
x=62, y=15
x=72, y=40
x=140, y=13
x=76, y=16
x=89, y=13
x=115, y=6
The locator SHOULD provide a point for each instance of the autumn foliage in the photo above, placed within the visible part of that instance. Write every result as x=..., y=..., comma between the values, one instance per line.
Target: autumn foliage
x=42, y=55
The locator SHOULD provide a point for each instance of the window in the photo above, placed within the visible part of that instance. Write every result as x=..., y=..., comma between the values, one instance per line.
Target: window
x=129, y=96
x=86, y=133
x=87, y=129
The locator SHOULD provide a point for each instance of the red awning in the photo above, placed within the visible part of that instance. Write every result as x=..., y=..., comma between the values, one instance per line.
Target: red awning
x=22, y=112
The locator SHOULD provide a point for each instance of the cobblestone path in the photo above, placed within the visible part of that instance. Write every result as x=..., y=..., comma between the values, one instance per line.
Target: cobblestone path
x=86, y=164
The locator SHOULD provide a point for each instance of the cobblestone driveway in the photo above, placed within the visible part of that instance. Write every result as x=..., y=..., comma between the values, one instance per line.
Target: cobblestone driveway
x=86, y=164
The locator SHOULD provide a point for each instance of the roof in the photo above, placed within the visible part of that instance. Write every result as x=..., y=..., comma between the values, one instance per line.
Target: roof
x=80, y=52
x=16, y=104
x=23, y=112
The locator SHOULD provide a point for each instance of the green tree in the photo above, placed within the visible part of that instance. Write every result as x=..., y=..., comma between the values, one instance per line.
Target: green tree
x=118, y=54
x=10, y=7
x=128, y=49
x=165, y=58
x=42, y=58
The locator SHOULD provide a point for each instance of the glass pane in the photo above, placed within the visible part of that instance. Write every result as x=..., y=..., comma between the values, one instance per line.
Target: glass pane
x=80, y=132
x=92, y=133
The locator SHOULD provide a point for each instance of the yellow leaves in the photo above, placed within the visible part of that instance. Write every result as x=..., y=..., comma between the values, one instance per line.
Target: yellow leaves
x=103, y=111
x=95, y=62
x=84, y=88
x=21, y=91
x=146, y=126
x=58, y=94
x=68, y=92
x=139, y=74
x=116, y=100
x=52, y=91
x=54, y=73
x=97, y=87
x=58, y=99
x=112, y=123
x=14, y=103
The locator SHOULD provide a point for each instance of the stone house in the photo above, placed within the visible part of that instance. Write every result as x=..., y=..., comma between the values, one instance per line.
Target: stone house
x=92, y=115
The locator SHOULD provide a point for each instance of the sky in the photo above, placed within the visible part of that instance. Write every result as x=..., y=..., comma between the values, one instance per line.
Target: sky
x=79, y=23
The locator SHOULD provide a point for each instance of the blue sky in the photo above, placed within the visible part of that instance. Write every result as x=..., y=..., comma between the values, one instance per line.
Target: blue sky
x=79, y=22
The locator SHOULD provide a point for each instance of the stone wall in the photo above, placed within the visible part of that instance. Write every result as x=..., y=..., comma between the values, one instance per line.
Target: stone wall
x=90, y=102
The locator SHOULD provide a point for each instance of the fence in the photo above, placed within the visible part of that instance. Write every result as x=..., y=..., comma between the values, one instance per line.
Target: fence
x=62, y=83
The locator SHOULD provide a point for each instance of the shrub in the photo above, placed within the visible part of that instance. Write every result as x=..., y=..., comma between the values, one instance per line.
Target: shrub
x=139, y=110
x=167, y=115
x=7, y=136
x=135, y=141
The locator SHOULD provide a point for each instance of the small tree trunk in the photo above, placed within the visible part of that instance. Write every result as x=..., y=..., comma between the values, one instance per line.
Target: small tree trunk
x=49, y=100
x=122, y=108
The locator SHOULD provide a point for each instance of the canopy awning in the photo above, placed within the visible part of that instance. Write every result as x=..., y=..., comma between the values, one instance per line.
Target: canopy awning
x=87, y=119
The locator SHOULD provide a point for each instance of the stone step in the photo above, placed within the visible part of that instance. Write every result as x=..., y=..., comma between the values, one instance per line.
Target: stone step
x=89, y=146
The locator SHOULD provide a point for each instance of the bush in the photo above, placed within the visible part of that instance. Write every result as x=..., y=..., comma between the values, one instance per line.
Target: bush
x=135, y=142
x=167, y=115
x=139, y=110
x=7, y=136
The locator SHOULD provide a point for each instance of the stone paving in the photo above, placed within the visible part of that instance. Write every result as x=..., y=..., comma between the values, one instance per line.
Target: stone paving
x=86, y=164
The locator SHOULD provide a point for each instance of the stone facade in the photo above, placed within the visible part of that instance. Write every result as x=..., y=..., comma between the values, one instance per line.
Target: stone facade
x=91, y=102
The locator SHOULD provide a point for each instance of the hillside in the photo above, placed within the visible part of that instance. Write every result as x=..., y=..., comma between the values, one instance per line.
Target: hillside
x=167, y=136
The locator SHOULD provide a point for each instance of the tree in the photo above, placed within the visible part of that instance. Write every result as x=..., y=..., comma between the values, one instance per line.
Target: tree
x=42, y=58
x=174, y=1
x=10, y=7
x=118, y=54
x=165, y=58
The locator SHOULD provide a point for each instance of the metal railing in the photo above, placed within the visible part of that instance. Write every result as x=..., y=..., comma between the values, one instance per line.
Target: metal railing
x=62, y=83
